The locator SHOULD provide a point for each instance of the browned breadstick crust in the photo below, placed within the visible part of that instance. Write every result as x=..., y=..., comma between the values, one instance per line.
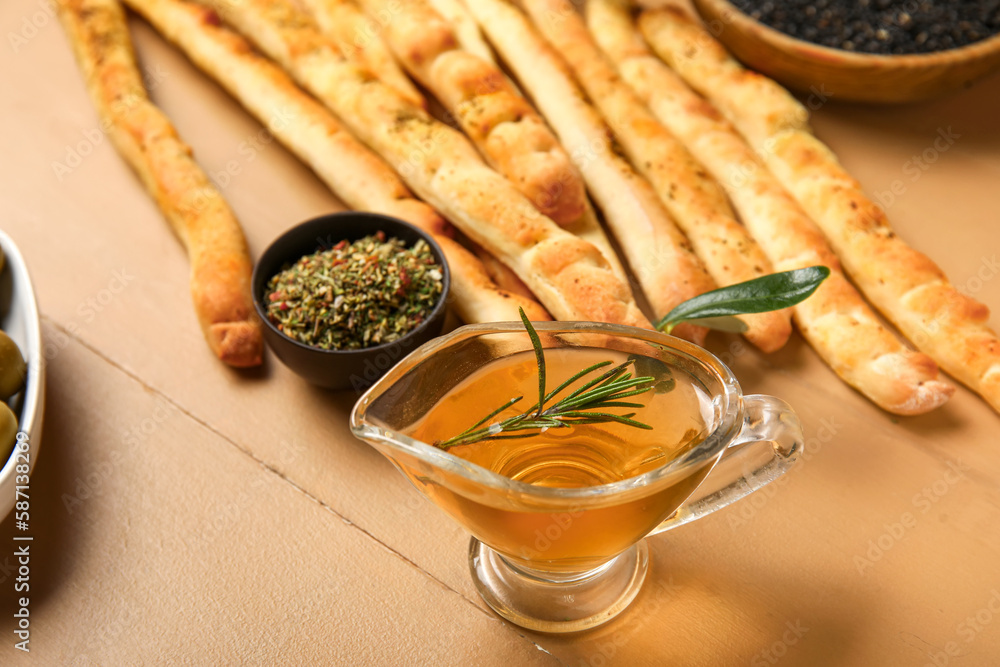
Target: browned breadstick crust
x=356, y=175
x=904, y=284
x=220, y=263
x=508, y=132
x=660, y=256
x=694, y=199
x=358, y=38
x=570, y=277
x=466, y=31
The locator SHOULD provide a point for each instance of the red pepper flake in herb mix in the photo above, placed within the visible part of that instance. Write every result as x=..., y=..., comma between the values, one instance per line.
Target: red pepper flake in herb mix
x=356, y=295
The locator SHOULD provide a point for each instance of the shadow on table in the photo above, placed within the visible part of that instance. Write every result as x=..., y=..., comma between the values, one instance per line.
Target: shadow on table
x=336, y=408
x=686, y=615
x=972, y=113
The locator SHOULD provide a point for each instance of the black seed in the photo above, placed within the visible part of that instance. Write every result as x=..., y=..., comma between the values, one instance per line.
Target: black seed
x=880, y=26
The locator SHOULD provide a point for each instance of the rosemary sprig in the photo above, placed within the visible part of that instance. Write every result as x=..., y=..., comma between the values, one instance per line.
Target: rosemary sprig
x=584, y=405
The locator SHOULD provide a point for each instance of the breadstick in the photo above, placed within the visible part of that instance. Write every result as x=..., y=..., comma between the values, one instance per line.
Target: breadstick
x=499, y=273
x=466, y=30
x=660, y=256
x=586, y=227
x=836, y=321
x=508, y=132
x=903, y=283
x=347, y=24
x=689, y=194
x=470, y=37
x=303, y=125
x=589, y=228
x=355, y=174
x=570, y=277
x=216, y=247
x=358, y=38
x=477, y=298
x=754, y=103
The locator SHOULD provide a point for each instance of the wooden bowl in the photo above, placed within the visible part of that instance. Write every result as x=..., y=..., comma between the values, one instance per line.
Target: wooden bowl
x=845, y=75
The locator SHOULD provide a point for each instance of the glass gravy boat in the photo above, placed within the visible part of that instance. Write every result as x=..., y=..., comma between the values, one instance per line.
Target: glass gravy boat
x=568, y=559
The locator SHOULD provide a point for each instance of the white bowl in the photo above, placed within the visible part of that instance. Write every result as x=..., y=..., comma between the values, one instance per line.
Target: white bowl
x=20, y=320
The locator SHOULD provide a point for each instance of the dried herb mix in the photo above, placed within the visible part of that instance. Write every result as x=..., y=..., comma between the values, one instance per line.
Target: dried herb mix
x=356, y=295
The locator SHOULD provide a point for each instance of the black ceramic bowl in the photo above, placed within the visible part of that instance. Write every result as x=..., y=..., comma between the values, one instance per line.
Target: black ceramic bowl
x=342, y=369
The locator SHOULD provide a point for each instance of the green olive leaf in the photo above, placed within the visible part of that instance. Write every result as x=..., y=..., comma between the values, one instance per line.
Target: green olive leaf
x=760, y=295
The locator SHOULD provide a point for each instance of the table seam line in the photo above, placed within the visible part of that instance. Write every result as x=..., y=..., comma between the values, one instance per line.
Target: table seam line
x=208, y=427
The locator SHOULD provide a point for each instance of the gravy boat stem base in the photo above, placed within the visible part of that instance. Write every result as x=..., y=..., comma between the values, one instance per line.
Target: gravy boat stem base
x=558, y=603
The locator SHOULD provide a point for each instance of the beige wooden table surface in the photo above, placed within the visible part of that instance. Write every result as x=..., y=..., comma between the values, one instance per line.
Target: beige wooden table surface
x=184, y=512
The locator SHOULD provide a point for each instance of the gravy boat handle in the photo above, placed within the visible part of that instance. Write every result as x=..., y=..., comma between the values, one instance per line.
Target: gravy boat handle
x=764, y=450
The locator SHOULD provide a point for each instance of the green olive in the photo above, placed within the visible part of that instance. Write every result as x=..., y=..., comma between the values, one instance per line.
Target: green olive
x=12, y=367
x=8, y=432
